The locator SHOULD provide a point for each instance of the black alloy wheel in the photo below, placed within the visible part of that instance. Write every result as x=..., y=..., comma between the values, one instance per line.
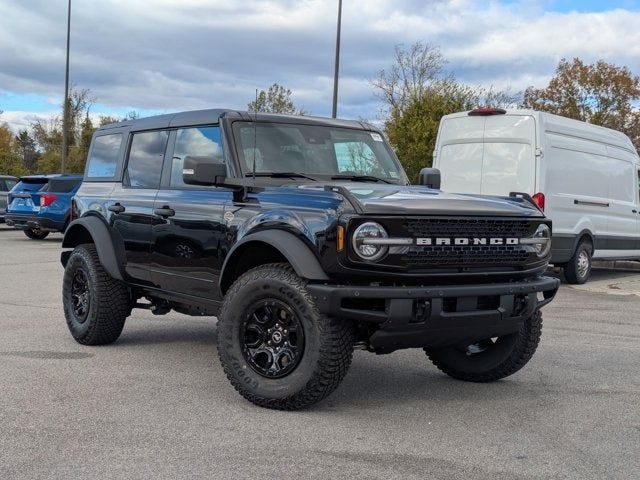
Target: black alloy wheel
x=272, y=337
x=80, y=295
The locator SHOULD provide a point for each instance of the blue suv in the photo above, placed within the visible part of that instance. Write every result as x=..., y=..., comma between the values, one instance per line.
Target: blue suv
x=41, y=204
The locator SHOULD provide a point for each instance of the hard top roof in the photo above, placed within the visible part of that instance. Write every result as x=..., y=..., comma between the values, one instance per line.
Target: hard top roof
x=203, y=117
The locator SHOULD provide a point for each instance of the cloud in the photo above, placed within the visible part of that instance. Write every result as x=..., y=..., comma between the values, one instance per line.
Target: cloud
x=163, y=55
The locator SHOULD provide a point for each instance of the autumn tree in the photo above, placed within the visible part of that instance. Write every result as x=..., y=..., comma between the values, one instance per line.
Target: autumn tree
x=277, y=99
x=600, y=93
x=48, y=135
x=417, y=91
x=10, y=161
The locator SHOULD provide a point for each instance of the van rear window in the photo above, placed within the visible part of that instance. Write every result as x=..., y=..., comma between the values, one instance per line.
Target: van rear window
x=103, y=158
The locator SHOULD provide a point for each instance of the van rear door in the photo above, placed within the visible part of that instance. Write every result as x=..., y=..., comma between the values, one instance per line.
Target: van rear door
x=491, y=155
x=460, y=147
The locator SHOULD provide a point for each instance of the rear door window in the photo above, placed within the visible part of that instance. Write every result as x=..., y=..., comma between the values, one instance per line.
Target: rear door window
x=10, y=184
x=103, y=158
x=146, y=155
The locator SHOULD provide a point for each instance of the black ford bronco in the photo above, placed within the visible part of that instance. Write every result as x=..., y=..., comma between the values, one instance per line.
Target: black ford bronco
x=305, y=239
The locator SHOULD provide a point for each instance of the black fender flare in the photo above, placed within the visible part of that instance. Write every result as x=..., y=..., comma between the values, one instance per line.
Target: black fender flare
x=93, y=229
x=297, y=253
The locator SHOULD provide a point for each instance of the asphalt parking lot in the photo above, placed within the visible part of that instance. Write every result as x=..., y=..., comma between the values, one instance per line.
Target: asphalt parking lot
x=156, y=404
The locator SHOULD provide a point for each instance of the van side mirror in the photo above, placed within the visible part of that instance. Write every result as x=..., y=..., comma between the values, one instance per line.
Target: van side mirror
x=430, y=177
x=205, y=171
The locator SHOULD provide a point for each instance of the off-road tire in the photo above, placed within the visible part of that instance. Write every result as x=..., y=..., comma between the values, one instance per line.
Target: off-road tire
x=502, y=360
x=35, y=234
x=573, y=272
x=328, y=347
x=109, y=301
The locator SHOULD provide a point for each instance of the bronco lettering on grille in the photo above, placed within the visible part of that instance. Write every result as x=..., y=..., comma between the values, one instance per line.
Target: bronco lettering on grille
x=439, y=241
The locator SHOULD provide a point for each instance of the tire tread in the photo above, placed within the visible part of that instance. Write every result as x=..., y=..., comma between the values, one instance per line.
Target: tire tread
x=335, y=355
x=525, y=347
x=112, y=306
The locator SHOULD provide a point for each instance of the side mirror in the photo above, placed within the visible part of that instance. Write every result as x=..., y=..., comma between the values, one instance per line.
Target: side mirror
x=205, y=171
x=430, y=177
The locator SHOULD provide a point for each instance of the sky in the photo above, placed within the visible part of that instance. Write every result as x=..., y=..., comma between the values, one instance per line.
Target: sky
x=160, y=56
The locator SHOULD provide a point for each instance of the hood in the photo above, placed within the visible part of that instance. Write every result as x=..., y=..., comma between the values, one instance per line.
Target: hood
x=417, y=200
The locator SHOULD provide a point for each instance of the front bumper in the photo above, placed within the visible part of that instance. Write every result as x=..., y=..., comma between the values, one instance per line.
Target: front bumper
x=24, y=222
x=408, y=317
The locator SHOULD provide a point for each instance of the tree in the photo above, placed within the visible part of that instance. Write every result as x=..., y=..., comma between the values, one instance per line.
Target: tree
x=10, y=162
x=28, y=151
x=48, y=135
x=411, y=75
x=413, y=131
x=417, y=91
x=600, y=93
x=275, y=100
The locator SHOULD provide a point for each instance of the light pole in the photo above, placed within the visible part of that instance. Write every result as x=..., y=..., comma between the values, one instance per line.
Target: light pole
x=65, y=114
x=334, y=111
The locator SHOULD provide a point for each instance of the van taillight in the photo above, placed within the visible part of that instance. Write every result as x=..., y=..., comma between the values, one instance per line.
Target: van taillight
x=538, y=198
x=47, y=199
x=482, y=112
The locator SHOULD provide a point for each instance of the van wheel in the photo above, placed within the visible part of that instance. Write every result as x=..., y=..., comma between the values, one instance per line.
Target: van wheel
x=276, y=349
x=35, y=234
x=95, y=304
x=577, y=270
x=491, y=359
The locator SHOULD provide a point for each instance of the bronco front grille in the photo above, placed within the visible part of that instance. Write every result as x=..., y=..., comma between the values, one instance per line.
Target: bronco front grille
x=456, y=227
x=458, y=244
x=416, y=257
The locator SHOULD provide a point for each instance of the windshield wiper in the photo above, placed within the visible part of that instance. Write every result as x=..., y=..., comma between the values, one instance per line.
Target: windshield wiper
x=283, y=175
x=360, y=178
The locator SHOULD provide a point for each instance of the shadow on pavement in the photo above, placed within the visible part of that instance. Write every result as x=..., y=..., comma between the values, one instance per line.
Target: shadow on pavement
x=168, y=335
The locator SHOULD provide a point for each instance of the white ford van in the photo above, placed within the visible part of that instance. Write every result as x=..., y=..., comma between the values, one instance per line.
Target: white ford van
x=584, y=177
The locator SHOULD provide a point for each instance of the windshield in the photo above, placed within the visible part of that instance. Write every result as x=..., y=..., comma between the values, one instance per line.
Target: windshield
x=313, y=150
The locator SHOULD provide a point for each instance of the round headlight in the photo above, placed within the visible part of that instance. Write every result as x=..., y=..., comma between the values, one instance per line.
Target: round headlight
x=543, y=233
x=369, y=251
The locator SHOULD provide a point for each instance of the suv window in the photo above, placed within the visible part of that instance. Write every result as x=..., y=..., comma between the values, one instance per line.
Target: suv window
x=31, y=184
x=10, y=184
x=196, y=142
x=62, y=185
x=144, y=168
x=103, y=159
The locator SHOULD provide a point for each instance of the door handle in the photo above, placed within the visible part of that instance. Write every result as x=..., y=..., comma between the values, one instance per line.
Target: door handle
x=634, y=211
x=164, y=211
x=116, y=208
